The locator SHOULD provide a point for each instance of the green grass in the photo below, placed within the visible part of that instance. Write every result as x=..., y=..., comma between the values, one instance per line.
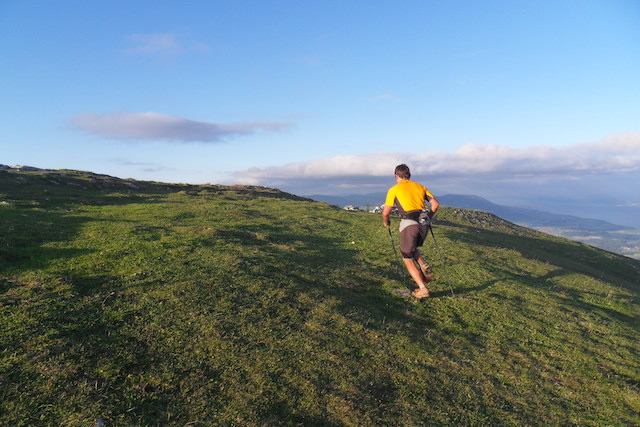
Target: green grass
x=161, y=304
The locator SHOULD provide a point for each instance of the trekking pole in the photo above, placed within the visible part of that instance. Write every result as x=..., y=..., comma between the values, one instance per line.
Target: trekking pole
x=444, y=266
x=394, y=249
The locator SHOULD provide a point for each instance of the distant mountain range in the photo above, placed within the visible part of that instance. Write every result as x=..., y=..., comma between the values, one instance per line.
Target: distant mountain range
x=602, y=234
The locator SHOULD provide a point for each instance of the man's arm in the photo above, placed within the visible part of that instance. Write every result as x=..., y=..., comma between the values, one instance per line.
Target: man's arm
x=434, y=206
x=386, y=211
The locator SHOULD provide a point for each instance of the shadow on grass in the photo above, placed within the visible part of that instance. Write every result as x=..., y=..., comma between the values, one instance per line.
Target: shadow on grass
x=564, y=254
x=326, y=268
x=87, y=349
x=39, y=213
x=467, y=290
x=568, y=258
x=24, y=238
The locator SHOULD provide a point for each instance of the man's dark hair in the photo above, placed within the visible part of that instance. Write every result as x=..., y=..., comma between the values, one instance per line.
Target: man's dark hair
x=403, y=171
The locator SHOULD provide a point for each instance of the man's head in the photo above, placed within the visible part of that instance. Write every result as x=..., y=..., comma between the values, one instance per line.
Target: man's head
x=402, y=171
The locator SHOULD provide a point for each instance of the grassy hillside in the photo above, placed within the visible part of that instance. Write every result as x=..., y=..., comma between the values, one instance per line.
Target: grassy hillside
x=154, y=304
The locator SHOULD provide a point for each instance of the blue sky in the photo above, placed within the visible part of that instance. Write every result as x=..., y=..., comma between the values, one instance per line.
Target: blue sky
x=531, y=103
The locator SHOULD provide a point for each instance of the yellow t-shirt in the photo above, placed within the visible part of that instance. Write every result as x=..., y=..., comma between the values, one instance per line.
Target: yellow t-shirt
x=408, y=196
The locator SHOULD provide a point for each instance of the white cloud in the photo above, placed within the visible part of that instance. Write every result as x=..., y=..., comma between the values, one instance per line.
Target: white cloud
x=153, y=43
x=614, y=154
x=376, y=164
x=160, y=43
x=160, y=127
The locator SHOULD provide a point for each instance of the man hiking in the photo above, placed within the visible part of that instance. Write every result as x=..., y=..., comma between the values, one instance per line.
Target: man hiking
x=409, y=197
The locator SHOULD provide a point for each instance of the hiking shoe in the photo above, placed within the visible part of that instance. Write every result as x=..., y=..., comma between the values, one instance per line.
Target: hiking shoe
x=420, y=293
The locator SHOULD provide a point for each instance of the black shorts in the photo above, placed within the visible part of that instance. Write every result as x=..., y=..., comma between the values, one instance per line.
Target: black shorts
x=410, y=238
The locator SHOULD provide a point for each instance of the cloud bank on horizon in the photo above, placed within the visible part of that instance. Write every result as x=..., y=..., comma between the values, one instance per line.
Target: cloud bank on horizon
x=614, y=154
x=160, y=127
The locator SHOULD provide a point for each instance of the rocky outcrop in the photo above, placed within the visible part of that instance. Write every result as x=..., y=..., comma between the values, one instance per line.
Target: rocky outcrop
x=22, y=168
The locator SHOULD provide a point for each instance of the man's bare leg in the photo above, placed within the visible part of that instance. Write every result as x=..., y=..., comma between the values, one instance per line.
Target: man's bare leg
x=416, y=275
x=428, y=275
